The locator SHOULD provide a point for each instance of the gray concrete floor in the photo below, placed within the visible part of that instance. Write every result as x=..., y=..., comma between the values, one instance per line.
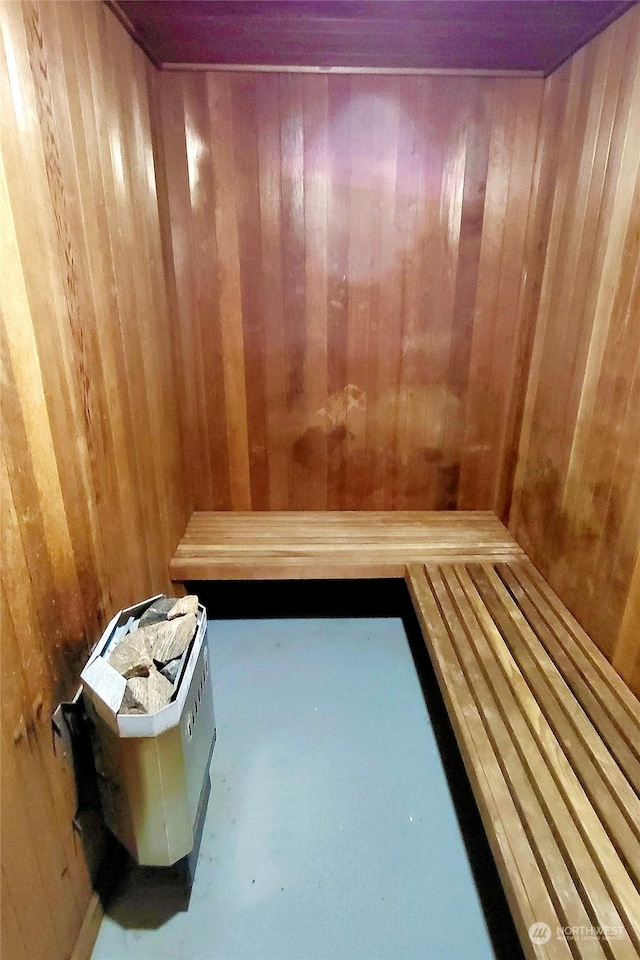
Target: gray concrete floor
x=330, y=832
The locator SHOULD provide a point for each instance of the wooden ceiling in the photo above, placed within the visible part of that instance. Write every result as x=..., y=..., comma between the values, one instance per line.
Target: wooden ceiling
x=524, y=36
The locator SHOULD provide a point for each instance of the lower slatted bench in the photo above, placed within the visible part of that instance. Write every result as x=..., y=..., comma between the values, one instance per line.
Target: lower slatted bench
x=549, y=733
x=550, y=737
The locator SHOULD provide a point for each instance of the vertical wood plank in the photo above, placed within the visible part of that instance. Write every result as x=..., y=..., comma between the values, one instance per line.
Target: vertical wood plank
x=339, y=176
x=230, y=287
x=294, y=319
x=626, y=656
x=93, y=497
x=577, y=495
x=250, y=264
x=269, y=186
x=477, y=138
x=311, y=446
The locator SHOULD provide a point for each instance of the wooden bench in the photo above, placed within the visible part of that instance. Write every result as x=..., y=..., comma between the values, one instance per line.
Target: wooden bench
x=549, y=733
x=299, y=545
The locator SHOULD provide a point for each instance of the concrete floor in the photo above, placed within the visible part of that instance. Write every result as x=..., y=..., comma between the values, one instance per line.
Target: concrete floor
x=330, y=833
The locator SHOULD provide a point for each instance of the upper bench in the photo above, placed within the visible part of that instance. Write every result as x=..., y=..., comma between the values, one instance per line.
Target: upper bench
x=305, y=545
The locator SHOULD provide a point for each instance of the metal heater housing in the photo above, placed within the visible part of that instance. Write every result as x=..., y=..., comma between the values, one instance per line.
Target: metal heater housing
x=153, y=771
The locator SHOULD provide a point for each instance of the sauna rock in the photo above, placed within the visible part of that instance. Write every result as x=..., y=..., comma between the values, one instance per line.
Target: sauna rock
x=151, y=693
x=172, y=638
x=158, y=611
x=184, y=605
x=151, y=655
x=132, y=657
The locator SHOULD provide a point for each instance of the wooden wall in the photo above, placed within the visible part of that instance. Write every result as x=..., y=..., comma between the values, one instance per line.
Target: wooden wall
x=355, y=268
x=93, y=500
x=350, y=257
x=577, y=494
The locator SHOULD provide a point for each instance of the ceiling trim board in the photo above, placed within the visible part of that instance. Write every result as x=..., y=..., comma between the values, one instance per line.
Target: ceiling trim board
x=393, y=71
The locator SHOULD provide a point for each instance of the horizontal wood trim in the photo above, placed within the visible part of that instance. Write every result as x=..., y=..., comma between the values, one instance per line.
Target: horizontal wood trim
x=355, y=71
x=560, y=809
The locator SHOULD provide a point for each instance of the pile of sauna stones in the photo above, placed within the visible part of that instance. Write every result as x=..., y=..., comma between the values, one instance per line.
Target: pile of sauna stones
x=151, y=655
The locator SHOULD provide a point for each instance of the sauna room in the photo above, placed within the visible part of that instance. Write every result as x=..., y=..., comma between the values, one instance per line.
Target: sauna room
x=326, y=314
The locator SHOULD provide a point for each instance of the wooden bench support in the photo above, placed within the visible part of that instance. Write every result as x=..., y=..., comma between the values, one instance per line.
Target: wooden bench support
x=549, y=733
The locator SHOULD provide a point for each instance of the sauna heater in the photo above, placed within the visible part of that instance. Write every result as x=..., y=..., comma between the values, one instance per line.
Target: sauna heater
x=153, y=770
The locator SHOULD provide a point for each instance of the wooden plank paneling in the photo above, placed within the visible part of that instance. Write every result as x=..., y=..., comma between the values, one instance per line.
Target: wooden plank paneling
x=93, y=496
x=499, y=340
x=348, y=254
x=355, y=267
x=577, y=492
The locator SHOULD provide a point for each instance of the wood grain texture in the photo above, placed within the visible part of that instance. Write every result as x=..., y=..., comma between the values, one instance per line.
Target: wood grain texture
x=577, y=490
x=93, y=498
x=529, y=697
x=298, y=545
x=348, y=255
x=262, y=292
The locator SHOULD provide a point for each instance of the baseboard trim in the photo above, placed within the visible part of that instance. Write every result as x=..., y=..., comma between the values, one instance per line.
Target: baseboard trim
x=89, y=929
